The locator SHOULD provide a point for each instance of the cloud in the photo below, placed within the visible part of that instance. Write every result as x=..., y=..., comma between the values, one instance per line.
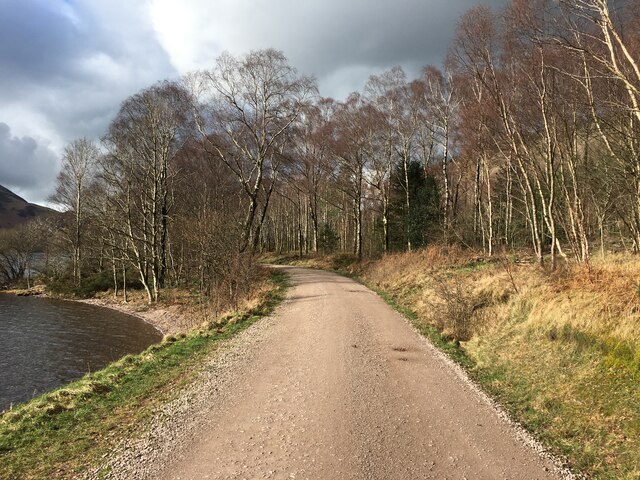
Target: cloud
x=66, y=67
x=36, y=40
x=74, y=62
x=326, y=39
x=26, y=166
x=68, y=64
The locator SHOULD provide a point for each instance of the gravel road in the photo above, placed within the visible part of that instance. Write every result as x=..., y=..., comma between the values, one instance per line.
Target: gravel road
x=334, y=385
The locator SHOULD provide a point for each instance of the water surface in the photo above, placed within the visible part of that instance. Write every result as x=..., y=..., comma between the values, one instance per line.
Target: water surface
x=47, y=343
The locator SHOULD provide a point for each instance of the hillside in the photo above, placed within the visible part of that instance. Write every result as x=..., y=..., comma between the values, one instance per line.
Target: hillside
x=15, y=210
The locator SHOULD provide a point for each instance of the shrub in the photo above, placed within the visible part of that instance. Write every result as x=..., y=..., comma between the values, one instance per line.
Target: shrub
x=343, y=261
x=90, y=285
x=454, y=305
x=97, y=282
x=328, y=239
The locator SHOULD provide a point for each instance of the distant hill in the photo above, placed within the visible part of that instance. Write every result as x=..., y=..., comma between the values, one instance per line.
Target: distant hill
x=15, y=210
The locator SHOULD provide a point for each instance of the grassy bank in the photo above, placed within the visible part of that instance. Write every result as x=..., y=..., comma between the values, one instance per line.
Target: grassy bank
x=61, y=433
x=561, y=351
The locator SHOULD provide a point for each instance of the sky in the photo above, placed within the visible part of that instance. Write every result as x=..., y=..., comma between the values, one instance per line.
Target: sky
x=66, y=65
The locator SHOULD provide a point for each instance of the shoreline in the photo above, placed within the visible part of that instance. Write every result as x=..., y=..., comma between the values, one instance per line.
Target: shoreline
x=73, y=430
x=151, y=317
x=165, y=319
x=35, y=291
x=165, y=322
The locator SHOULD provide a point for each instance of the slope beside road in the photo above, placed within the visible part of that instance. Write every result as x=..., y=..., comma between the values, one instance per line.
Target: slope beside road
x=334, y=385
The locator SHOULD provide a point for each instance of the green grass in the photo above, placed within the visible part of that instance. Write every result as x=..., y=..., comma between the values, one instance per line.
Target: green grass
x=570, y=394
x=578, y=393
x=63, y=432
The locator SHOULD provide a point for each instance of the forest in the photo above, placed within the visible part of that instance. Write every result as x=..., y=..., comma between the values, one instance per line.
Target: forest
x=526, y=139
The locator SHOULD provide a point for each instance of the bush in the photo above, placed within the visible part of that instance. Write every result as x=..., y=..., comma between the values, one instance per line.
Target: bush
x=454, y=306
x=343, y=261
x=97, y=282
x=89, y=286
x=61, y=285
x=328, y=239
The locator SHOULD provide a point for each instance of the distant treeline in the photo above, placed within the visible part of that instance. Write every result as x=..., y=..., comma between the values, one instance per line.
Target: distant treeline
x=527, y=138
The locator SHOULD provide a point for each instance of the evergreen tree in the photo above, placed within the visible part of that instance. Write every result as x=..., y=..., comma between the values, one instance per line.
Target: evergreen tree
x=421, y=223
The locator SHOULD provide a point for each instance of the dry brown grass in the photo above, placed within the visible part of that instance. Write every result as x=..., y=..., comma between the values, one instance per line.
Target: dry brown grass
x=180, y=310
x=561, y=349
x=602, y=299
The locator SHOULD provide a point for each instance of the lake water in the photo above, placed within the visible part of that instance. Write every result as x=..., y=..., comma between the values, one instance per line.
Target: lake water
x=47, y=343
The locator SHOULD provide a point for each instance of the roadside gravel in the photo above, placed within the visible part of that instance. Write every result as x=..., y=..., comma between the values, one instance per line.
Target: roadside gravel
x=179, y=420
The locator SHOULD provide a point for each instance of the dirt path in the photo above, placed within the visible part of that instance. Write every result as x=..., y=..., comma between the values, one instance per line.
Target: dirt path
x=339, y=386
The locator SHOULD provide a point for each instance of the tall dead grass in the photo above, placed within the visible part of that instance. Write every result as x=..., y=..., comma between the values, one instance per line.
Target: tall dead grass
x=561, y=349
x=603, y=299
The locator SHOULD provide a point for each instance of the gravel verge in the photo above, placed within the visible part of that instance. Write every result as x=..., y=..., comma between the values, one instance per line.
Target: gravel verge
x=175, y=423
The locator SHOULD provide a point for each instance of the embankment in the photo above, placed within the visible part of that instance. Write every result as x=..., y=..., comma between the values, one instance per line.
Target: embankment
x=560, y=351
x=65, y=432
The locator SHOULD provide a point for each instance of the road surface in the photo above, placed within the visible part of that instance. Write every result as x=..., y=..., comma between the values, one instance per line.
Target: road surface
x=340, y=386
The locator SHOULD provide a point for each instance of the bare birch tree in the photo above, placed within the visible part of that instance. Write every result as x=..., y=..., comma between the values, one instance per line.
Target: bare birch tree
x=245, y=109
x=79, y=164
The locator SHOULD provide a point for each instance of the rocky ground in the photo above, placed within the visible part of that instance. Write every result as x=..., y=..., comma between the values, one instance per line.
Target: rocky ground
x=169, y=320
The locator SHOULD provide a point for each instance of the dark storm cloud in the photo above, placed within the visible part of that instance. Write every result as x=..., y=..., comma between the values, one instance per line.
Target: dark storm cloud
x=379, y=34
x=410, y=33
x=74, y=62
x=65, y=67
x=36, y=41
x=26, y=167
x=340, y=42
